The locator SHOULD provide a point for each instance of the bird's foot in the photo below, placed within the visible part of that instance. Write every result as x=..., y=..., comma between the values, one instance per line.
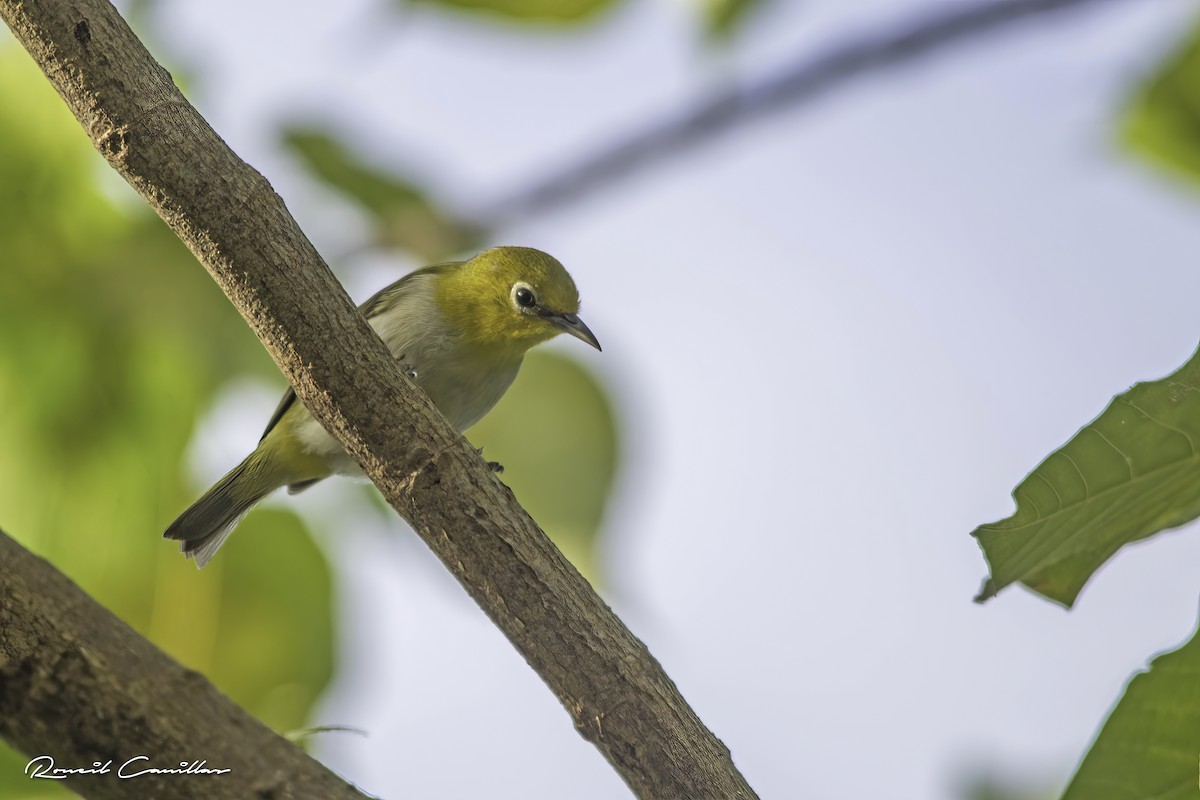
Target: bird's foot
x=408, y=368
x=494, y=466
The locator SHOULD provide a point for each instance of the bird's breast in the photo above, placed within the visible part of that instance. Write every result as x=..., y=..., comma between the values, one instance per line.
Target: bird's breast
x=465, y=390
x=463, y=381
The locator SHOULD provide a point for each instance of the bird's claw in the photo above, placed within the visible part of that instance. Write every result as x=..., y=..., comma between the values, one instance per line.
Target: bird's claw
x=494, y=466
x=408, y=368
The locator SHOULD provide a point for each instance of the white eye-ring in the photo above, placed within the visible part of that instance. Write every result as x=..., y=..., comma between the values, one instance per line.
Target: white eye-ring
x=523, y=296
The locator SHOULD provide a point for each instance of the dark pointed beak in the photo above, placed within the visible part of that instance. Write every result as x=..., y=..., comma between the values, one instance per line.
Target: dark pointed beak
x=572, y=324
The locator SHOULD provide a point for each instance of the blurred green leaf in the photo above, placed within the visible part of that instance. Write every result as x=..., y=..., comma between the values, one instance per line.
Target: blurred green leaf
x=722, y=16
x=555, y=433
x=15, y=786
x=1163, y=120
x=112, y=343
x=403, y=215
x=554, y=11
x=1130, y=473
x=1002, y=785
x=1150, y=745
x=273, y=558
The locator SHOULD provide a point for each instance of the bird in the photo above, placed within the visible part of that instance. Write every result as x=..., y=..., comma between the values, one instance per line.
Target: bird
x=460, y=330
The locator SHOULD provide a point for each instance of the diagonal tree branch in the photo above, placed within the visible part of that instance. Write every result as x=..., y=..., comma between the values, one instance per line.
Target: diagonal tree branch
x=81, y=686
x=805, y=80
x=235, y=224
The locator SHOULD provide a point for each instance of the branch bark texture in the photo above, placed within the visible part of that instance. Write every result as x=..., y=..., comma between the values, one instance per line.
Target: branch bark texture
x=228, y=215
x=78, y=684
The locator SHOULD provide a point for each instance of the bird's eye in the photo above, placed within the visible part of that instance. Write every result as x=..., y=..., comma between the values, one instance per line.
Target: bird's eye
x=524, y=297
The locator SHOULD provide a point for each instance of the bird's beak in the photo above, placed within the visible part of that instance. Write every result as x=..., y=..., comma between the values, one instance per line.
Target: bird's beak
x=572, y=324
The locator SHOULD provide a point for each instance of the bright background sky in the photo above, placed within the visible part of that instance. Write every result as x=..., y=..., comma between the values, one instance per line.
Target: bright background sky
x=837, y=339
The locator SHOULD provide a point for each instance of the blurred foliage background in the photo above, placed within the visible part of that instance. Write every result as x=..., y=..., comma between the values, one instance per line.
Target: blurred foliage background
x=114, y=343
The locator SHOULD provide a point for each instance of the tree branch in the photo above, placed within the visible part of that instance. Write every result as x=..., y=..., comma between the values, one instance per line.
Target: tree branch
x=80, y=685
x=807, y=79
x=228, y=215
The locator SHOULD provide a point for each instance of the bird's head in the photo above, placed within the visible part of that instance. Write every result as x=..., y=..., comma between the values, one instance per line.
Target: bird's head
x=512, y=298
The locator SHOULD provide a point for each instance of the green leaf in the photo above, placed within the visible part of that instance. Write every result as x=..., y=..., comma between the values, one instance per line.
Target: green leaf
x=1130, y=473
x=1150, y=744
x=403, y=215
x=1162, y=122
x=555, y=433
x=723, y=16
x=546, y=11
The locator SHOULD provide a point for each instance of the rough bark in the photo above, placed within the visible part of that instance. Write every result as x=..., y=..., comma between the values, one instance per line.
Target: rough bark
x=80, y=685
x=228, y=215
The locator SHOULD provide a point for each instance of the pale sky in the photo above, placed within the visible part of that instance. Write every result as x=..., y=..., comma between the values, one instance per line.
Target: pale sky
x=837, y=339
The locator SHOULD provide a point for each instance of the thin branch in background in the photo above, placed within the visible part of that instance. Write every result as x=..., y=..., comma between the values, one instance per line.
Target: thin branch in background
x=806, y=80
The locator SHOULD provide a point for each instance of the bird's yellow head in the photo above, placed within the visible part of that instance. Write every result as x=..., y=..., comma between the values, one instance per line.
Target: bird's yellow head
x=512, y=298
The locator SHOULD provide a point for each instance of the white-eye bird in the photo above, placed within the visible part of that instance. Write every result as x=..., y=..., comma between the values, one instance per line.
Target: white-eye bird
x=460, y=329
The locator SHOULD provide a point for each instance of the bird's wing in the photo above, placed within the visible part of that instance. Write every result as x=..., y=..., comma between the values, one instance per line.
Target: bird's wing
x=285, y=403
x=376, y=304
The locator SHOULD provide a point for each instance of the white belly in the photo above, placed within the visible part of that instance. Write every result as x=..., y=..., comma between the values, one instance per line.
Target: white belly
x=463, y=386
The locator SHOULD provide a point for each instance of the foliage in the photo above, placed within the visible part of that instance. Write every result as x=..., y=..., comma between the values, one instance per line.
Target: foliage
x=722, y=17
x=1130, y=473
x=112, y=343
x=403, y=216
x=544, y=11
x=1149, y=745
x=1163, y=120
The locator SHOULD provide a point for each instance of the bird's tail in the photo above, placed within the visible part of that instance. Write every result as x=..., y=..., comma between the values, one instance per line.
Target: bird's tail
x=204, y=527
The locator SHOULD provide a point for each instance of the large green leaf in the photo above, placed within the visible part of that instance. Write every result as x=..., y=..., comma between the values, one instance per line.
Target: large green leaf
x=1150, y=745
x=404, y=216
x=112, y=342
x=1163, y=120
x=555, y=434
x=1130, y=473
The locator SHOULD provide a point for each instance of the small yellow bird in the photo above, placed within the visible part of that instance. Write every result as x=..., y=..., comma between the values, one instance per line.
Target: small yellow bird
x=460, y=330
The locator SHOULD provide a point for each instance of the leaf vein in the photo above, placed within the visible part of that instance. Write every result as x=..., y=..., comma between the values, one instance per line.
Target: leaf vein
x=1191, y=442
x=1120, y=452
